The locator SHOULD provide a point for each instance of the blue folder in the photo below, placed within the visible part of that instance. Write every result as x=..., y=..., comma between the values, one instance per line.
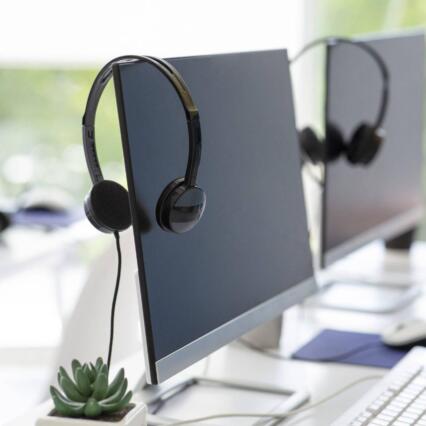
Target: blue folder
x=349, y=348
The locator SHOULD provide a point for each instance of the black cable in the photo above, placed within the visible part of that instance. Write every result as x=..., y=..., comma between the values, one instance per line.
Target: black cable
x=114, y=299
x=307, y=162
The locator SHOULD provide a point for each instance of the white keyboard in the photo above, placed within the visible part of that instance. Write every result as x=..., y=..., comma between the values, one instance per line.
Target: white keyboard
x=399, y=399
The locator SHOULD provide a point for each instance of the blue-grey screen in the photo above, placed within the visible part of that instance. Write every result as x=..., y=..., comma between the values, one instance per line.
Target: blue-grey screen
x=252, y=242
x=358, y=199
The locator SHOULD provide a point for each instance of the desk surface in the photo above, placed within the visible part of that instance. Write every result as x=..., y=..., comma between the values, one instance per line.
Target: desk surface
x=301, y=323
x=22, y=247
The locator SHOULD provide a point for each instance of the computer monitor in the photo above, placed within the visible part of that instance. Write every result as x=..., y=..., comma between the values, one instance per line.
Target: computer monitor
x=249, y=258
x=384, y=199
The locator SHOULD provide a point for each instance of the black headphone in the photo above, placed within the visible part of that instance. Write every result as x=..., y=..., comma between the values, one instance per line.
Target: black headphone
x=5, y=221
x=367, y=139
x=182, y=203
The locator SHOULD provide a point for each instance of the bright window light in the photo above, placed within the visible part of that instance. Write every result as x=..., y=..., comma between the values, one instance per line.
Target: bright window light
x=93, y=31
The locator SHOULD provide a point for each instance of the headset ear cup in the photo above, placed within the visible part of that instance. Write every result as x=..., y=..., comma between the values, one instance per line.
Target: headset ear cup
x=107, y=207
x=4, y=221
x=334, y=143
x=180, y=207
x=365, y=144
x=311, y=146
x=163, y=204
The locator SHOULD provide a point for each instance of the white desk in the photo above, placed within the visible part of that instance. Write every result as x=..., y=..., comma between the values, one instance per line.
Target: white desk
x=22, y=247
x=300, y=325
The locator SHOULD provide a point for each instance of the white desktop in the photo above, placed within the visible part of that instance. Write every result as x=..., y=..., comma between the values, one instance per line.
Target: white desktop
x=321, y=379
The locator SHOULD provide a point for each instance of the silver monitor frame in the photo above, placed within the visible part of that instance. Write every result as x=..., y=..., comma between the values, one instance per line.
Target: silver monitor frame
x=396, y=226
x=203, y=346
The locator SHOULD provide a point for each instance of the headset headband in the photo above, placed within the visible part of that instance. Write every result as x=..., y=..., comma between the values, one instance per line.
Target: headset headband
x=191, y=113
x=373, y=54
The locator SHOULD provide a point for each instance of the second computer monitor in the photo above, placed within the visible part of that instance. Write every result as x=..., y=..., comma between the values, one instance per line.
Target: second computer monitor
x=384, y=198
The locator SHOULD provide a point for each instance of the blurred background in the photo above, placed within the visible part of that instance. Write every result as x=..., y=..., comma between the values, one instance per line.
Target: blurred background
x=49, y=55
x=49, y=75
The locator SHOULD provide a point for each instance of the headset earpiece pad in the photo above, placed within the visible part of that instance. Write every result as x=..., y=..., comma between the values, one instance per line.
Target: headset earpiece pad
x=4, y=221
x=311, y=146
x=180, y=208
x=107, y=207
x=364, y=145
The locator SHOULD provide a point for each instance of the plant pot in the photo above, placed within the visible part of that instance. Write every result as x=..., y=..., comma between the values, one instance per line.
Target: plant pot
x=135, y=417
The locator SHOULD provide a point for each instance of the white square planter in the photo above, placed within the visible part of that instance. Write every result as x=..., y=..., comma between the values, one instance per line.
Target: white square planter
x=135, y=417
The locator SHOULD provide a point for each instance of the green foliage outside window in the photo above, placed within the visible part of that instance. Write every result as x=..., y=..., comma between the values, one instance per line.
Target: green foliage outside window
x=351, y=17
x=40, y=130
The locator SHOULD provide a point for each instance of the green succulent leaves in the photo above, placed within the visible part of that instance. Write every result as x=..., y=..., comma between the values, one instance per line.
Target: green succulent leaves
x=89, y=394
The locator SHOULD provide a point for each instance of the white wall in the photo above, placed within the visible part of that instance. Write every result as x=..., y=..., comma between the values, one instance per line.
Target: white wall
x=55, y=31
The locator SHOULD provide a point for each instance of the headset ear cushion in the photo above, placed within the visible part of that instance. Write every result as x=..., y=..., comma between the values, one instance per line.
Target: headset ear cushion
x=334, y=142
x=4, y=221
x=107, y=207
x=180, y=207
x=365, y=144
x=311, y=146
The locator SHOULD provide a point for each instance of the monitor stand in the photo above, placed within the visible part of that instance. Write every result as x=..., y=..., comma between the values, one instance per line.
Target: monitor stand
x=363, y=296
x=401, y=242
x=267, y=336
x=369, y=295
x=156, y=396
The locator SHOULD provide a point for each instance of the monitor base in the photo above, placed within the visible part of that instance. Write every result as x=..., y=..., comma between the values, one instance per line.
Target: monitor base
x=156, y=398
x=266, y=336
x=363, y=296
x=401, y=242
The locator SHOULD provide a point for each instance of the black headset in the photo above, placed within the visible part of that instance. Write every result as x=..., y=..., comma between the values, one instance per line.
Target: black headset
x=182, y=203
x=5, y=221
x=367, y=138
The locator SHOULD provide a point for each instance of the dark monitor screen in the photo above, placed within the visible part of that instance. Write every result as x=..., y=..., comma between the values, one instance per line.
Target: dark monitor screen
x=384, y=198
x=248, y=259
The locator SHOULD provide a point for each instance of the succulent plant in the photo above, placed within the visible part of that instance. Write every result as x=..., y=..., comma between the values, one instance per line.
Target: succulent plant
x=89, y=394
